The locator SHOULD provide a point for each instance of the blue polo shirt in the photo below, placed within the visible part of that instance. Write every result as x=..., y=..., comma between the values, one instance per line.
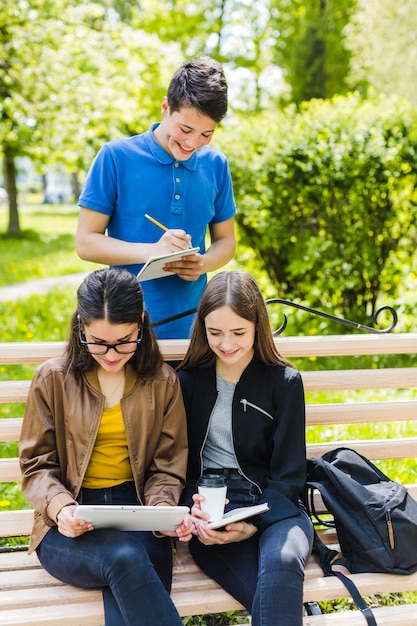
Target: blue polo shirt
x=133, y=176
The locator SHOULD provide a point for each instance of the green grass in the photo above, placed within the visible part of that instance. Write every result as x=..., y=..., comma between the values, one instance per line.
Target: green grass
x=46, y=246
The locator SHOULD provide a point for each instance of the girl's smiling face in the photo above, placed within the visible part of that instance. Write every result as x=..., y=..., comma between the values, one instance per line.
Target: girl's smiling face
x=230, y=337
x=102, y=331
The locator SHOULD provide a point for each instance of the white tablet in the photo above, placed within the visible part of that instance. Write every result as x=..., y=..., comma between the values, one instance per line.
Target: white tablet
x=130, y=517
x=237, y=515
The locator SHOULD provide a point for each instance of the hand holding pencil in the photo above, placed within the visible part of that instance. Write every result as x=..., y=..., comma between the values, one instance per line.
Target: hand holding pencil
x=162, y=227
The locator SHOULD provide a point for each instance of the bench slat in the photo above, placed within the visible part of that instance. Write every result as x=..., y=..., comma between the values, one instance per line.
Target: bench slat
x=374, y=449
x=330, y=587
x=345, y=345
x=14, y=390
x=360, y=412
x=405, y=615
x=330, y=345
x=316, y=414
x=10, y=470
x=10, y=428
x=16, y=523
x=390, y=378
x=36, y=352
x=86, y=614
x=47, y=596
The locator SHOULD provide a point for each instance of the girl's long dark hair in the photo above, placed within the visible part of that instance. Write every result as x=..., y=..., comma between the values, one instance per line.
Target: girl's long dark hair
x=114, y=295
x=241, y=292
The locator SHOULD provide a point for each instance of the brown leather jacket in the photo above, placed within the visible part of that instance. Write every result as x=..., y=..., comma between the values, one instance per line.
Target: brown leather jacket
x=60, y=425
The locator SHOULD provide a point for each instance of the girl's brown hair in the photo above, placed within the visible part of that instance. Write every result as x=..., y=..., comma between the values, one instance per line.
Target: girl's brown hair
x=240, y=292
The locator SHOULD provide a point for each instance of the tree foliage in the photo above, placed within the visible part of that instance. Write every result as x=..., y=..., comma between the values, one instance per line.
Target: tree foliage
x=310, y=46
x=238, y=33
x=325, y=195
x=73, y=76
x=382, y=37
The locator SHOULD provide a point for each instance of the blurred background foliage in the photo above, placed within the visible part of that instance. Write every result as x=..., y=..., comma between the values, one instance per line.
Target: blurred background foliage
x=321, y=133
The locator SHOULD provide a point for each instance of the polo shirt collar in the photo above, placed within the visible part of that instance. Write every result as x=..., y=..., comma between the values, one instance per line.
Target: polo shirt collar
x=162, y=156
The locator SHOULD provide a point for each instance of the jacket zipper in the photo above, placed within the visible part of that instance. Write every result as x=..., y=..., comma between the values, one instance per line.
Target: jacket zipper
x=246, y=403
x=234, y=451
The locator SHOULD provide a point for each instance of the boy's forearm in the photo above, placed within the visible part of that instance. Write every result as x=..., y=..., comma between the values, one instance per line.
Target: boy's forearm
x=100, y=248
x=219, y=253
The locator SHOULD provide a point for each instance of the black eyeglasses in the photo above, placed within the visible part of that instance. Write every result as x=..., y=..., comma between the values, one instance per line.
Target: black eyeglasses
x=123, y=347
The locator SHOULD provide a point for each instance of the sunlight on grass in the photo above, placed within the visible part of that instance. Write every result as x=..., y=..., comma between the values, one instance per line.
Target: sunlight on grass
x=46, y=246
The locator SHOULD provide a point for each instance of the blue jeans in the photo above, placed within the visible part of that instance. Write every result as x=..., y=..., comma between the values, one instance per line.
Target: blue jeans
x=133, y=569
x=266, y=572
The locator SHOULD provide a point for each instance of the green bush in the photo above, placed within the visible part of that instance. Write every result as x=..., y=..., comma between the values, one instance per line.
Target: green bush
x=327, y=199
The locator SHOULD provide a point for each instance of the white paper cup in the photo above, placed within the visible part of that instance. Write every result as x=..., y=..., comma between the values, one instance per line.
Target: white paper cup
x=213, y=487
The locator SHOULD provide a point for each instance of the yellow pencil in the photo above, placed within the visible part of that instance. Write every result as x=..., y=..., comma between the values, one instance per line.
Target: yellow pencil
x=152, y=219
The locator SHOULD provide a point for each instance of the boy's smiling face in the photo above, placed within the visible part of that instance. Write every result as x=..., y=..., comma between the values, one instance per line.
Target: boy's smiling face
x=183, y=132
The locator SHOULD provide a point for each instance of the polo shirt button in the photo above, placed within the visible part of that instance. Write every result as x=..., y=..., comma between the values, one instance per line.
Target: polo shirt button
x=177, y=197
x=178, y=180
x=177, y=164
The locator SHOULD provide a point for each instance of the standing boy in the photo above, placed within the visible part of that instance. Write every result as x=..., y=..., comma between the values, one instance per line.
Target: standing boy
x=171, y=174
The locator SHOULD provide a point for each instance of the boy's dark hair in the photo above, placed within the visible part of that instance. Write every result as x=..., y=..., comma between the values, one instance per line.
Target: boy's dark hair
x=200, y=84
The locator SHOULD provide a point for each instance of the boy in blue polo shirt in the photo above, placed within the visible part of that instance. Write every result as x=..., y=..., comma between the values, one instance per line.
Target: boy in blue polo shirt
x=170, y=173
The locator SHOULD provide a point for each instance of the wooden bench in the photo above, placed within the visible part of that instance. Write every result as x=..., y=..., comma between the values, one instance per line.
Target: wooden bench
x=28, y=595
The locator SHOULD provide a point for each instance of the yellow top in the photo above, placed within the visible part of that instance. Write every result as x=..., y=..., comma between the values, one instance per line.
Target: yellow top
x=109, y=463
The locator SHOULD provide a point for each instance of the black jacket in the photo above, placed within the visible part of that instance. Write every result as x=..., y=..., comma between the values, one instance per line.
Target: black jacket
x=268, y=421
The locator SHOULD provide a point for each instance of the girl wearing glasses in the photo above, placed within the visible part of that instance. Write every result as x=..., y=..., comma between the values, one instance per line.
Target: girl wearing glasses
x=246, y=420
x=105, y=424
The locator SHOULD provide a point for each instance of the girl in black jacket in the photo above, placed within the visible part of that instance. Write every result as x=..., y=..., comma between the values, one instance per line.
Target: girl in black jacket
x=246, y=419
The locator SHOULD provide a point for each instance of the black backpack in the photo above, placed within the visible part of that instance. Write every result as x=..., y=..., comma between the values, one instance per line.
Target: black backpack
x=375, y=518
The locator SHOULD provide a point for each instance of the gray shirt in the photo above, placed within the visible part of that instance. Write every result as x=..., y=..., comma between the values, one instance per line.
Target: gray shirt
x=218, y=450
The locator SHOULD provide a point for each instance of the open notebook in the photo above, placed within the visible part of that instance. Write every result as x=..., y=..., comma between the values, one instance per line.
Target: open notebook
x=237, y=515
x=153, y=268
x=130, y=517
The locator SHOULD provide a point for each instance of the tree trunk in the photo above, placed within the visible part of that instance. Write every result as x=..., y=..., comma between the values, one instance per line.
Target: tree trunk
x=75, y=186
x=10, y=179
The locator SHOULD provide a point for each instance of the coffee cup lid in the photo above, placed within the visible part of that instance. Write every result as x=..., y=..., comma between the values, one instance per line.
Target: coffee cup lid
x=211, y=480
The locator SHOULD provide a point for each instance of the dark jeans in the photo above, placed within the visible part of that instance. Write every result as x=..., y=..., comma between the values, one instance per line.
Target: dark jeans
x=266, y=572
x=133, y=569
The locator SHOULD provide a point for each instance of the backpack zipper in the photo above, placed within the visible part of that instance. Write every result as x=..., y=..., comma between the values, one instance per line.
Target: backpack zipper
x=257, y=408
x=390, y=529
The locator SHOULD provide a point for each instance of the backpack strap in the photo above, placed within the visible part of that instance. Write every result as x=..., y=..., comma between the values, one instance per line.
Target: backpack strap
x=357, y=598
x=327, y=561
x=326, y=556
x=311, y=507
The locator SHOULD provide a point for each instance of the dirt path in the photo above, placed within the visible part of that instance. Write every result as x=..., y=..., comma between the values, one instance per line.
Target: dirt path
x=41, y=285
